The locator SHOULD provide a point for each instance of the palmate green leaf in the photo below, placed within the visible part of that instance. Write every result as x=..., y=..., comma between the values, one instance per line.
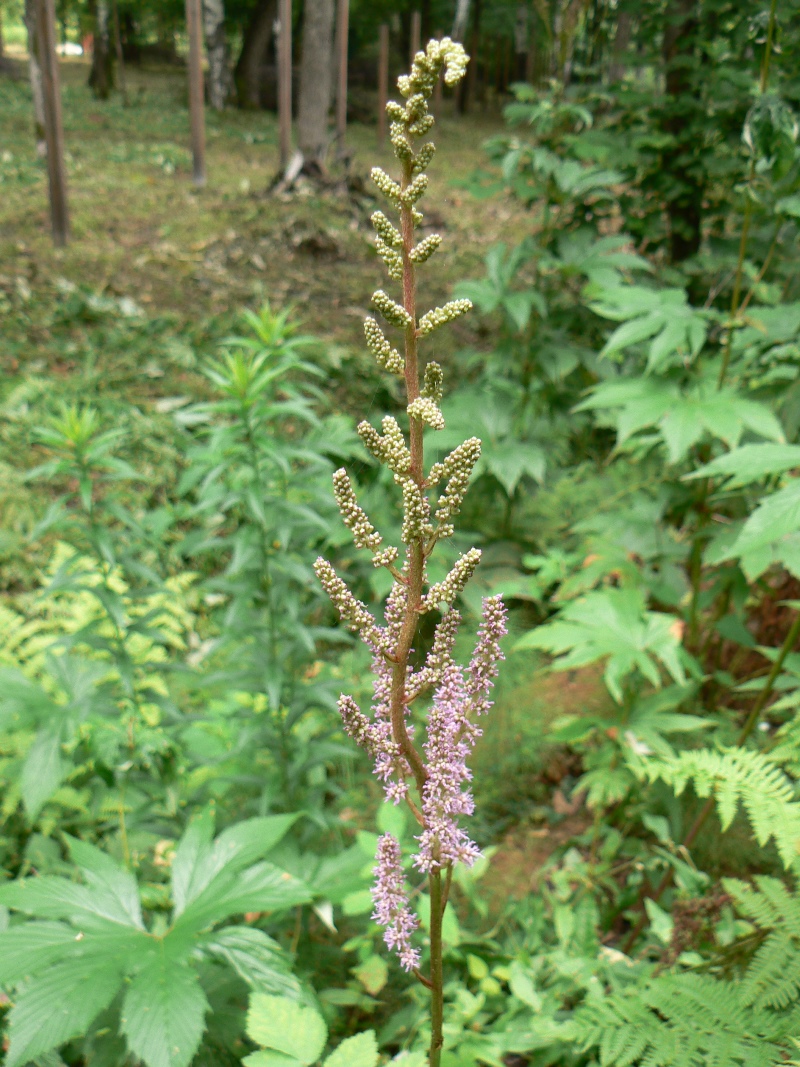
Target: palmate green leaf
x=163, y=1011
x=665, y=315
x=58, y=1005
x=262, y=887
x=43, y=771
x=108, y=879
x=32, y=947
x=682, y=419
x=48, y=897
x=257, y=959
x=775, y=522
x=612, y=624
x=358, y=1051
x=750, y=463
x=285, y=1026
x=198, y=861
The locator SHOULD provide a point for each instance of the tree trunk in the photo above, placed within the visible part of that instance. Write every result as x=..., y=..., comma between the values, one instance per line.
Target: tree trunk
x=219, y=78
x=255, y=43
x=37, y=87
x=679, y=118
x=101, y=76
x=315, y=83
x=460, y=21
x=622, y=38
x=521, y=42
x=466, y=88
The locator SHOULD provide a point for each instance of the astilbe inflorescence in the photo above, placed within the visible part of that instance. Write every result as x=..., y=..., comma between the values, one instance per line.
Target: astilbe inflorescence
x=458, y=695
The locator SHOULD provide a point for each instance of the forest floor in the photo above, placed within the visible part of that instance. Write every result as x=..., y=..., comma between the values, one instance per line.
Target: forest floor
x=140, y=230
x=156, y=273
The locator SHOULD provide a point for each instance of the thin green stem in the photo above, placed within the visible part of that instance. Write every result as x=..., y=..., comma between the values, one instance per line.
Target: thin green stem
x=437, y=974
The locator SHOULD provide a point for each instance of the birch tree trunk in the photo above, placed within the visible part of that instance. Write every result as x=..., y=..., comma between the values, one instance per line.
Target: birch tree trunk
x=219, y=78
x=460, y=21
x=255, y=43
x=35, y=70
x=316, y=65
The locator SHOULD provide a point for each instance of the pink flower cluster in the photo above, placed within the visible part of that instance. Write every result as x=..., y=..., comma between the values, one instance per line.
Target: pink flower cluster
x=459, y=698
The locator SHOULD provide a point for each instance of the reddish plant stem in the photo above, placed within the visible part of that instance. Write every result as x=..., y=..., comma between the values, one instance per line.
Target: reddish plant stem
x=415, y=577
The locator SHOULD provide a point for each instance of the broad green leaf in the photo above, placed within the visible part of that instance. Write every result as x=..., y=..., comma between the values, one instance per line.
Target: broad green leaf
x=373, y=974
x=612, y=625
x=163, y=1013
x=286, y=1026
x=682, y=418
x=107, y=878
x=198, y=862
x=358, y=1051
x=58, y=1005
x=259, y=888
x=48, y=897
x=750, y=463
x=510, y=461
x=263, y=1058
x=256, y=958
x=42, y=772
x=775, y=519
x=31, y=947
x=191, y=851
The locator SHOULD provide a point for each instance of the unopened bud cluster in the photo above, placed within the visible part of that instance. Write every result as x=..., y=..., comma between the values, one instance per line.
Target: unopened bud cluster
x=438, y=768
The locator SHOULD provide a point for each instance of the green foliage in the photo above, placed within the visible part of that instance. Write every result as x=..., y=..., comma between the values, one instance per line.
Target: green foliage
x=686, y=1019
x=88, y=942
x=294, y=1034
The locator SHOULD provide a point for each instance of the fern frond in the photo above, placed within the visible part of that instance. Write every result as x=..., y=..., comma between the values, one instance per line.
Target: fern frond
x=682, y=1020
x=773, y=975
x=739, y=776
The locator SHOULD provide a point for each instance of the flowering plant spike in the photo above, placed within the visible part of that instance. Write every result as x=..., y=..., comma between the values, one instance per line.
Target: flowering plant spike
x=432, y=775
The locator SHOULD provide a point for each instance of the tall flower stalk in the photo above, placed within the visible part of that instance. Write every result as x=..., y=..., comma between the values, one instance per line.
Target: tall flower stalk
x=431, y=775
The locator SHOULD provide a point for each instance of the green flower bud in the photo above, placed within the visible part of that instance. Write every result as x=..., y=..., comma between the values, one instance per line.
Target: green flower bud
x=425, y=249
x=394, y=314
x=439, y=316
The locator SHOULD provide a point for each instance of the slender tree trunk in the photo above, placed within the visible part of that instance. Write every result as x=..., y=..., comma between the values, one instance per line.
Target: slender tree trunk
x=425, y=12
x=315, y=83
x=680, y=111
x=54, y=129
x=460, y=21
x=521, y=42
x=622, y=38
x=219, y=78
x=35, y=70
x=101, y=76
x=255, y=45
x=123, y=87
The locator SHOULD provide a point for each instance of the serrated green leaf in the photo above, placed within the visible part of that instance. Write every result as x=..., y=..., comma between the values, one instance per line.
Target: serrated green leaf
x=107, y=879
x=285, y=1026
x=612, y=625
x=358, y=1051
x=257, y=959
x=32, y=947
x=163, y=1012
x=42, y=772
x=750, y=463
x=58, y=1005
x=262, y=887
x=776, y=517
x=56, y=898
x=203, y=867
x=264, y=1058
